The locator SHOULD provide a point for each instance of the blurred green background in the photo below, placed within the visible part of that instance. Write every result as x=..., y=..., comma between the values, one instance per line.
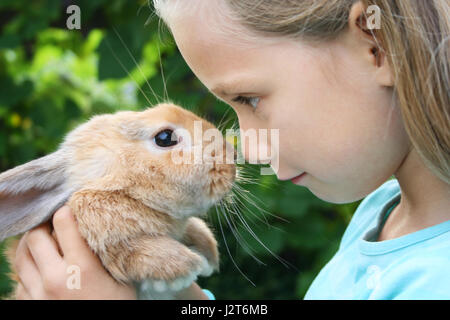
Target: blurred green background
x=53, y=78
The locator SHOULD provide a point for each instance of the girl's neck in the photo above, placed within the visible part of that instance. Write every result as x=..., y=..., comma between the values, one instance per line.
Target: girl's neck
x=425, y=199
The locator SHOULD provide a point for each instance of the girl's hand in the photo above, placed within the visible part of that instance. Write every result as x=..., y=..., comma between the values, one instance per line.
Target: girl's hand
x=48, y=266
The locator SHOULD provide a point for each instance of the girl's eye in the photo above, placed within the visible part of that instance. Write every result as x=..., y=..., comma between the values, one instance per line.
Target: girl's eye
x=166, y=138
x=251, y=101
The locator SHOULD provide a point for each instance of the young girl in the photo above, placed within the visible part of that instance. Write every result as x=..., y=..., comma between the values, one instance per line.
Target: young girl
x=354, y=105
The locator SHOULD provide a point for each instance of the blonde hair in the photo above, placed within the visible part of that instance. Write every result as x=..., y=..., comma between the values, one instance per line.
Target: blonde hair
x=414, y=34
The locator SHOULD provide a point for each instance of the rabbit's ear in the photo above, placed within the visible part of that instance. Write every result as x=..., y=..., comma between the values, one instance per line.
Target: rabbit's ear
x=31, y=193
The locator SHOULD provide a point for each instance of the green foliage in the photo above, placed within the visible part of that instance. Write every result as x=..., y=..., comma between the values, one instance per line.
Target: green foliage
x=52, y=79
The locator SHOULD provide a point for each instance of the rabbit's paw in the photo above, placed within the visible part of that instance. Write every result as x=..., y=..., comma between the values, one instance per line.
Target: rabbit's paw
x=202, y=268
x=199, y=238
x=206, y=268
x=163, y=264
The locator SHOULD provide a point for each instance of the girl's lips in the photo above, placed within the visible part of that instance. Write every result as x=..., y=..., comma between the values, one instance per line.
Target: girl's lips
x=298, y=178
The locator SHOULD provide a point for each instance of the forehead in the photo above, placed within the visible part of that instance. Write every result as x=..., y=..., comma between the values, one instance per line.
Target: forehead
x=170, y=113
x=215, y=56
x=225, y=62
x=144, y=124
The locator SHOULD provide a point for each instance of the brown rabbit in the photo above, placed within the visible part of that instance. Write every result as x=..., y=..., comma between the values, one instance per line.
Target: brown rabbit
x=135, y=206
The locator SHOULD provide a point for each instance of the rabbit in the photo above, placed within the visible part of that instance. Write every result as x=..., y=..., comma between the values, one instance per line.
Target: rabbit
x=137, y=209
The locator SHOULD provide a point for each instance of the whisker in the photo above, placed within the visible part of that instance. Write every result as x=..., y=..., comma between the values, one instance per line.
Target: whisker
x=248, y=228
x=126, y=70
x=219, y=126
x=265, y=221
x=244, y=223
x=284, y=262
x=249, y=197
x=228, y=250
x=240, y=202
x=238, y=236
x=243, y=177
x=166, y=94
x=239, y=192
x=139, y=68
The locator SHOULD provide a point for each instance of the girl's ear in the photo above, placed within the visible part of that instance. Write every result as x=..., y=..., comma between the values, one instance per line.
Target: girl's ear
x=32, y=192
x=370, y=45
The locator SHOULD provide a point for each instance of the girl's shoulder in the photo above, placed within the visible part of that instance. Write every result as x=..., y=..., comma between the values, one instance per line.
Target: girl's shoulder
x=370, y=209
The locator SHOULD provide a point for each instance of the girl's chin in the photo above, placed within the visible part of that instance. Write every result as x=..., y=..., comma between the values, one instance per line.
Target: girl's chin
x=335, y=195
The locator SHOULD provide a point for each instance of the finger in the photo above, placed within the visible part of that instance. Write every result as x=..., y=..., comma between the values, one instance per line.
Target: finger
x=21, y=293
x=72, y=244
x=26, y=269
x=43, y=248
x=57, y=242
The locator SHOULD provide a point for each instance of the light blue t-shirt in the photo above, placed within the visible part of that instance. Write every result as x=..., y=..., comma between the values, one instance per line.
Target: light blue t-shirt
x=413, y=266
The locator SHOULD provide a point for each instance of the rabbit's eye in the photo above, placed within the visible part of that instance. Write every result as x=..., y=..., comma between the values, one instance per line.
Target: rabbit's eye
x=166, y=138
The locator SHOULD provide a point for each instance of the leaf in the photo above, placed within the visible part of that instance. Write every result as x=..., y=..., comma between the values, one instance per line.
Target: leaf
x=71, y=110
x=9, y=41
x=11, y=93
x=2, y=145
x=121, y=48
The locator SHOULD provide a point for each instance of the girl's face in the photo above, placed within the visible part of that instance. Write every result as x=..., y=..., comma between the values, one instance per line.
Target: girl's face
x=336, y=122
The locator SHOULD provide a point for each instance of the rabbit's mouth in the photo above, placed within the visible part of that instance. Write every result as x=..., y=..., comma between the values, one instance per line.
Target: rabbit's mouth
x=222, y=177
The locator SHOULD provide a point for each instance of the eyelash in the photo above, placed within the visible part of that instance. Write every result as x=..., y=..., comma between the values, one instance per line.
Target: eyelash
x=245, y=100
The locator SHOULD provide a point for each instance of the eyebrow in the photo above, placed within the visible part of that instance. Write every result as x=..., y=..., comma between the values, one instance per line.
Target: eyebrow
x=223, y=89
x=226, y=88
